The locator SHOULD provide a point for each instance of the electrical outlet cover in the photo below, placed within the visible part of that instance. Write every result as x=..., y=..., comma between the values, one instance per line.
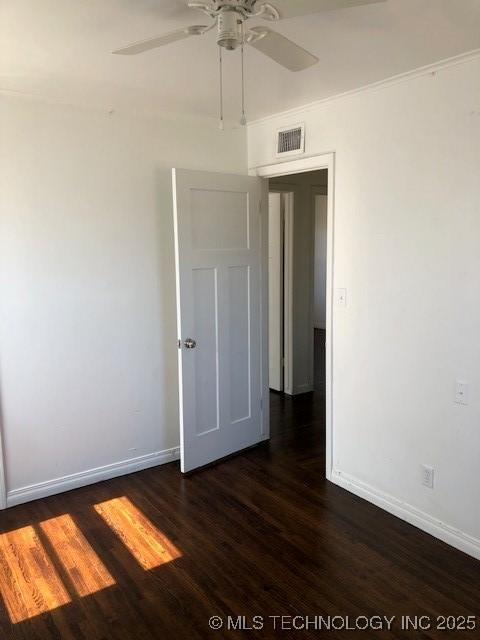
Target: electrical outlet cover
x=428, y=475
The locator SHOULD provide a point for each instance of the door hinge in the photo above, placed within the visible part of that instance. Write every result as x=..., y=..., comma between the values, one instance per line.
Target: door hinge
x=179, y=343
x=283, y=362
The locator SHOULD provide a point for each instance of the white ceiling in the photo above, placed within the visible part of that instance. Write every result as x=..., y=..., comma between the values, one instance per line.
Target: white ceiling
x=60, y=50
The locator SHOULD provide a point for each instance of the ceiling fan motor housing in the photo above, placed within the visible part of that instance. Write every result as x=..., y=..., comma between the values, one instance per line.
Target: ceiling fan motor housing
x=230, y=15
x=229, y=24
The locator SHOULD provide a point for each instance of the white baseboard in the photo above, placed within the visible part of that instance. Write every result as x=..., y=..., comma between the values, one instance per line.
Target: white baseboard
x=454, y=537
x=76, y=480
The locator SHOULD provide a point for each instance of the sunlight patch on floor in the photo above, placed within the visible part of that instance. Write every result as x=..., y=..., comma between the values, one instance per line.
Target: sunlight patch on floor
x=86, y=571
x=146, y=543
x=29, y=583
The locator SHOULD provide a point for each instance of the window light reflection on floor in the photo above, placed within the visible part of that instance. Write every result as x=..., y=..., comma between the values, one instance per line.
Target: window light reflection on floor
x=146, y=543
x=29, y=584
x=84, y=568
x=46, y=566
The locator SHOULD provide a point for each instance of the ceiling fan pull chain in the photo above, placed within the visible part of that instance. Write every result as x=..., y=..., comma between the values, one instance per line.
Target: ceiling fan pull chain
x=243, y=119
x=221, y=124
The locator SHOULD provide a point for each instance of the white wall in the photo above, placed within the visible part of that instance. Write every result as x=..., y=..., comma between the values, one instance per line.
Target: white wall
x=320, y=264
x=87, y=318
x=407, y=238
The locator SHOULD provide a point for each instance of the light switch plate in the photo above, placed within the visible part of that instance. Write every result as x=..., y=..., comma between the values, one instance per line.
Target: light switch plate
x=341, y=296
x=461, y=392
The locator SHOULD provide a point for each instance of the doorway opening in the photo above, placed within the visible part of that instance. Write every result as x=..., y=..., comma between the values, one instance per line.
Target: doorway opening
x=297, y=276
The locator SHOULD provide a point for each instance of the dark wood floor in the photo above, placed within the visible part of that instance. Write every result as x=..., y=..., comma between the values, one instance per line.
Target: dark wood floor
x=155, y=555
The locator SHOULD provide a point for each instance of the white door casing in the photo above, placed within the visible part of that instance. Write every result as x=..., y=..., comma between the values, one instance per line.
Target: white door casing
x=218, y=255
x=288, y=194
x=320, y=260
x=275, y=291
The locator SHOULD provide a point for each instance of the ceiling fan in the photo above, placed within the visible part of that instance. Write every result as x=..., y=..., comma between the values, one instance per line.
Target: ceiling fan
x=229, y=18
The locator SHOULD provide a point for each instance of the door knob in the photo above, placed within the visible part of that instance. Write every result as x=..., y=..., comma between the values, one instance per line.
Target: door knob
x=190, y=343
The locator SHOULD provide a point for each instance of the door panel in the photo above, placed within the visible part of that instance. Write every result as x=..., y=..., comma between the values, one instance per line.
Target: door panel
x=218, y=261
x=206, y=335
x=220, y=220
x=239, y=319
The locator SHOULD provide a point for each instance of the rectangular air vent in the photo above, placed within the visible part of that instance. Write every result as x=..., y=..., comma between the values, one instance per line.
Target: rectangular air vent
x=291, y=140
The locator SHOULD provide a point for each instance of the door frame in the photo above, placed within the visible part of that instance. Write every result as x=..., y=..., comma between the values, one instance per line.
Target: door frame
x=303, y=165
x=288, y=221
x=316, y=191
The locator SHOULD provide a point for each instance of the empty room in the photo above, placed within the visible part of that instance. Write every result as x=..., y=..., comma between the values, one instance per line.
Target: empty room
x=239, y=307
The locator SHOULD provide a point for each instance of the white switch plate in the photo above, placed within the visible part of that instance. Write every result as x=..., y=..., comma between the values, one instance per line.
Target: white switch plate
x=341, y=297
x=428, y=475
x=461, y=392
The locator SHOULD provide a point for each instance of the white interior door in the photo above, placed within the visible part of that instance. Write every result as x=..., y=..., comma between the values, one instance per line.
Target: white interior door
x=218, y=265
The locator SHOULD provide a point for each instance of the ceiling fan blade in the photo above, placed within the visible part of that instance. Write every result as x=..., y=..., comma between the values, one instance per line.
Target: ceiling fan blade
x=294, y=8
x=154, y=43
x=281, y=49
